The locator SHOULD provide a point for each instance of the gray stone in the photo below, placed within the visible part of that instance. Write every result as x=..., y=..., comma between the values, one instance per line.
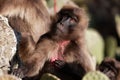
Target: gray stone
x=9, y=77
x=8, y=44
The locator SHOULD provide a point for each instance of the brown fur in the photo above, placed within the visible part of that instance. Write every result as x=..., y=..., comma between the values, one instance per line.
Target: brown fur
x=111, y=68
x=30, y=18
x=48, y=45
x=26, y=16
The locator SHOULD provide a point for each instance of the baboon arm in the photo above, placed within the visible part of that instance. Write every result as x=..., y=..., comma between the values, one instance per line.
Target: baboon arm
x=44, y=51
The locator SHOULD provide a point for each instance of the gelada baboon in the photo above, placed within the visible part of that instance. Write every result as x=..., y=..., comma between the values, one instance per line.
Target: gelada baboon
x=69, y=24
x=30, y=18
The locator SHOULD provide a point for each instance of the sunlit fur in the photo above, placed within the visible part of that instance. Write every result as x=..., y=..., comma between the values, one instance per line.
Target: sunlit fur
x=28, y=17
x=75, y=53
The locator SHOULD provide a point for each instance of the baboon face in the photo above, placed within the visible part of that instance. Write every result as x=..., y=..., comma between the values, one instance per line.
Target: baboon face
x=68, y=23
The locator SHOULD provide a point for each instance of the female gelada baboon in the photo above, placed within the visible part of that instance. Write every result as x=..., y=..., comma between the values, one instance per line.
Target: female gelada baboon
x=29, y=17
x=70, y=25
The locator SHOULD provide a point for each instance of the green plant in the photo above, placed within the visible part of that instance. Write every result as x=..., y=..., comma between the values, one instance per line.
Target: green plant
x=95, y=75
x=49, y=76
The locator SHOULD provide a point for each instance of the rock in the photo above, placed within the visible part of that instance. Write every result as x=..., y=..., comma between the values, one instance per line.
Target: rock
x=8, y=77
x=8, y=44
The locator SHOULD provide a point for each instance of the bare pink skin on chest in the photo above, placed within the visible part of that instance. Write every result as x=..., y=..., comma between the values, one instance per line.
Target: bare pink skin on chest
x=60, y=52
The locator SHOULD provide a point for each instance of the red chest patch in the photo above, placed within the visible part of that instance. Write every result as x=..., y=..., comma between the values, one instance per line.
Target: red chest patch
x=61, y=49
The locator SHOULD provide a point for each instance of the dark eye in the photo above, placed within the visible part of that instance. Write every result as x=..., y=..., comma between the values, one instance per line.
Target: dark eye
x=65, y=17
x=72, y=23
x=72, y=20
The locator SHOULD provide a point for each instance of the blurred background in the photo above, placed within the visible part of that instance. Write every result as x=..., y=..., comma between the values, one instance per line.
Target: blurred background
x=103, y=34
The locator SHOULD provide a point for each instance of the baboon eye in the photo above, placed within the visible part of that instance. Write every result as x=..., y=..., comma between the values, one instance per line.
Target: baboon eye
x=65, y=17
x=72, y=20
